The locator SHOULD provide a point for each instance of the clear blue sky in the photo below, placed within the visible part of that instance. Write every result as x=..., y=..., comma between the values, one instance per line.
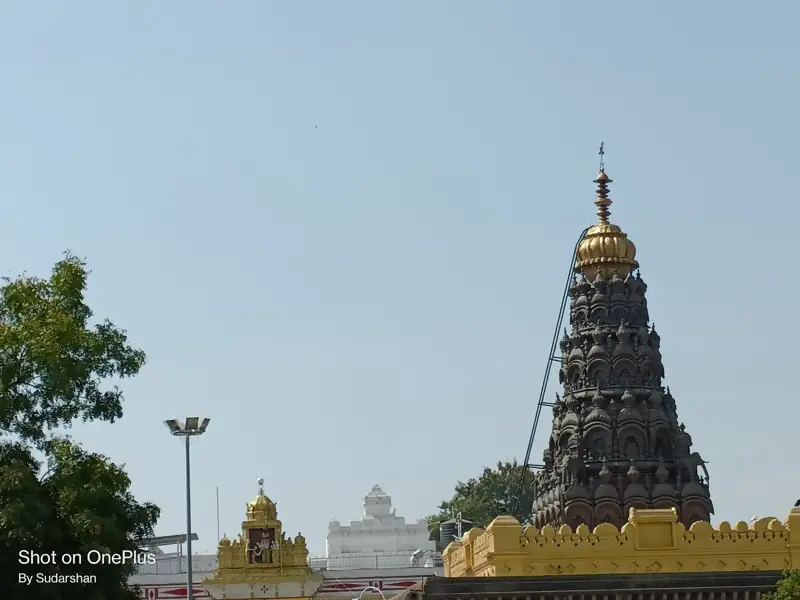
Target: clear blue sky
x=341, y=229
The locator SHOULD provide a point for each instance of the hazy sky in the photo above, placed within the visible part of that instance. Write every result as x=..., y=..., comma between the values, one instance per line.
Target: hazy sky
x=341, y=229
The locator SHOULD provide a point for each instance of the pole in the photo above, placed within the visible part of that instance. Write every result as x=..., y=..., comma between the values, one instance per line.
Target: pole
x=189, y=582
x=218, y=538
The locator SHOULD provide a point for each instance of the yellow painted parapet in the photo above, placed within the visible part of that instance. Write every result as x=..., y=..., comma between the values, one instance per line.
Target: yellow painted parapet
x=652, y=541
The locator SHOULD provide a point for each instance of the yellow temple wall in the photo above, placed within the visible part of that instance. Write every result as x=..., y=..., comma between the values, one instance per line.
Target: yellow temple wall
x=652, y=541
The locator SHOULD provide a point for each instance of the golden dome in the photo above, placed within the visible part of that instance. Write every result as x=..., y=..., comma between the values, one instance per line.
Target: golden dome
x=261, y=508
x=605, y=248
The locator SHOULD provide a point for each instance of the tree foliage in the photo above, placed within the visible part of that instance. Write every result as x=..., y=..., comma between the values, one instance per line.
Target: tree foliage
x=55, y=496
x=480, y=500
x=82, y=503
x=52, y=361
x=788, y=587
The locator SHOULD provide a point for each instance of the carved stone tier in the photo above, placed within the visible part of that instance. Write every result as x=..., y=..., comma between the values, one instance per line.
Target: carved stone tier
x=616, y=440
x=262, y=562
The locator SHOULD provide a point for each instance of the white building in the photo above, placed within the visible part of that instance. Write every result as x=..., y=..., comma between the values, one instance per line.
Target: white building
x=379, y=539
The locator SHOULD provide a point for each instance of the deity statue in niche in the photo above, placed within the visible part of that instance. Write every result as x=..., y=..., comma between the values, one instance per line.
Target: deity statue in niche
x=662, y=449
x=262, y=545
x=599, y=448
x=631, y=448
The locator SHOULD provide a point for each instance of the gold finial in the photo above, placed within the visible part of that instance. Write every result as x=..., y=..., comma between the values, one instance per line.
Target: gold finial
x=603, y=201
x=605, y=248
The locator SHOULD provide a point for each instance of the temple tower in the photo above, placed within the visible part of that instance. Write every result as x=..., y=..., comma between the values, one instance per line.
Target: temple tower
x=379, y=537
x=262, y=561
x=616, y=441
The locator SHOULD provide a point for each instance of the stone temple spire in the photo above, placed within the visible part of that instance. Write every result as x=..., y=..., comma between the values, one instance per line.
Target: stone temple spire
x=616, y=441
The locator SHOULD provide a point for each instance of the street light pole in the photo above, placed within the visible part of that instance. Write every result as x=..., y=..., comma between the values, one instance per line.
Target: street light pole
x=189, y=565
x=192, y=427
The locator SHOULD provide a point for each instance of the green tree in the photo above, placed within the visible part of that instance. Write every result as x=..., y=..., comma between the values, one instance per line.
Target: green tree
x=480, y=500
x=56, y=496
x=788, y=587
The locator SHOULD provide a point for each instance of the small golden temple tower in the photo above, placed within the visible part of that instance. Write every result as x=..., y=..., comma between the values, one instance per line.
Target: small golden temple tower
x=262, y=562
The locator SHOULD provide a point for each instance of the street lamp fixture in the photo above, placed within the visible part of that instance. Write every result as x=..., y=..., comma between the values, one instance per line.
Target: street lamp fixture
x=191, y=427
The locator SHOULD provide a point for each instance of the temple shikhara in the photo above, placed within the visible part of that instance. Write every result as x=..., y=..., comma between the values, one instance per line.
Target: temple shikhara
x=617, y=442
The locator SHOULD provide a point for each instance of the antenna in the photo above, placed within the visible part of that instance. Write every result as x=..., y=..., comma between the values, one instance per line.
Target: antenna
x=602, y=153
x=218, y=538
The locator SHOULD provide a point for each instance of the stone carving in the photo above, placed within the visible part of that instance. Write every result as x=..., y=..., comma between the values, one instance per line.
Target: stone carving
x=692, y=462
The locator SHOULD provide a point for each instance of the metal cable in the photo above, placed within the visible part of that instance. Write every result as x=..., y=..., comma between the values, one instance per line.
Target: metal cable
x=550, y=359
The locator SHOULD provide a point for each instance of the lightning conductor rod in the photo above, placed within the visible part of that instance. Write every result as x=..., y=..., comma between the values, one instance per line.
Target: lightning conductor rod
x=551, y=358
